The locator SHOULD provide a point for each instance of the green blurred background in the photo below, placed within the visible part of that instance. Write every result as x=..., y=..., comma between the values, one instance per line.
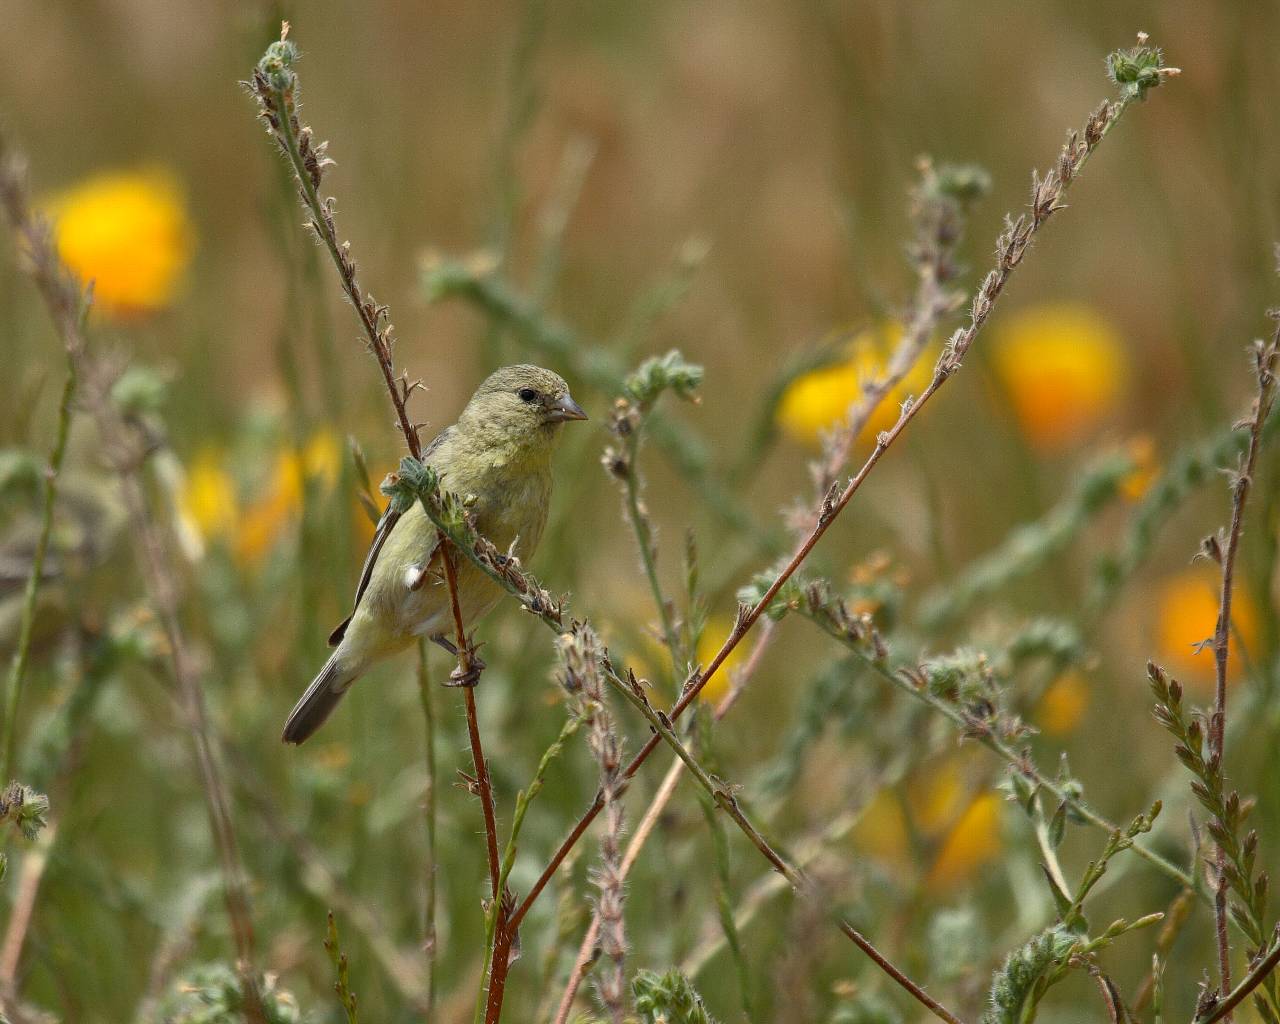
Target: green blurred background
x=755, y=159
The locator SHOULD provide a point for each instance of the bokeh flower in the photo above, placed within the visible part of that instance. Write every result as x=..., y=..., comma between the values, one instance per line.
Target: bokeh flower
x=818, y=401
x=713, y=635
x=265, y=520
x=128, y=233
x=207, y=502
x=973, y=841
x=1064, y=370
x=1146, y=467
x=964, y=829
x=1187, y=614
x=1063, y=704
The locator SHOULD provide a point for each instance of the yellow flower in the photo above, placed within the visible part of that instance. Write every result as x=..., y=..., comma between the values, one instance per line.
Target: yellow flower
x=1142, y=449
x=935, y=799
x=1063, y=704
x=207, y=500
x=718, y=627
x=1187, y=613
x=818, y=401
x=1065, y=370
x=322, y=458
x=882, y=830
x=974, y=840
x=129, y=234
x=266, y=519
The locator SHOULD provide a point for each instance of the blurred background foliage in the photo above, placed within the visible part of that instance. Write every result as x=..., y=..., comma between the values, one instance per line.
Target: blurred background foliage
x=726, y=179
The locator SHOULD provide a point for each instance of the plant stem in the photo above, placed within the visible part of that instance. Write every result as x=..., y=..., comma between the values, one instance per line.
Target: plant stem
x=499, y=943
x=430, y=817
x=21, y=654
x=643, y=529
x=722, y=796
x=1260, y=972
x=1265, y=365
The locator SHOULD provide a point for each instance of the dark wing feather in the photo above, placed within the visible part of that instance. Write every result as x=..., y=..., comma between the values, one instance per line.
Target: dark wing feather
x=385, y=525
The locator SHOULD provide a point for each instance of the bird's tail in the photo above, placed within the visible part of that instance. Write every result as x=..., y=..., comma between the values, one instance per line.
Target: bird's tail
x=318, y=702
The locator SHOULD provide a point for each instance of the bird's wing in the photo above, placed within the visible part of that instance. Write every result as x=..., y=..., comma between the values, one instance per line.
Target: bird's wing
x=385, y=525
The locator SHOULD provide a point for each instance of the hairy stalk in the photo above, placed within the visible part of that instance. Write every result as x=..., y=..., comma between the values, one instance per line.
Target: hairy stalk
x=1235, y=870
x=587, y=950
x=1258, y=973
x=939, y=211
x=1264, y=366
x=126, y=452
x=582, y=679
x=275, y=86
x=18, y=666
x=467, y=675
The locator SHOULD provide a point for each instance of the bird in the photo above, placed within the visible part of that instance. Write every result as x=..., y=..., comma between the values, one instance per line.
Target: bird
x=498, y=459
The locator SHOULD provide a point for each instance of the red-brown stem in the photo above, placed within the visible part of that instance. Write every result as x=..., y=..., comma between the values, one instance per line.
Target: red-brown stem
x=500, y=961
x=1250, y=981
x=1222, y=632
x=466, y=667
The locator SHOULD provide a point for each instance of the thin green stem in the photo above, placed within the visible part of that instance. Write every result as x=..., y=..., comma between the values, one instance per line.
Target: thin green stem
x=22, y=653
x=430, y=817
x=639, y=519
x=724, y=903
x=488, y=999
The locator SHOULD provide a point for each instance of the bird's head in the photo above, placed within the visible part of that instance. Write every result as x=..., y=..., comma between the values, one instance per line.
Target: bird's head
x=522, y=404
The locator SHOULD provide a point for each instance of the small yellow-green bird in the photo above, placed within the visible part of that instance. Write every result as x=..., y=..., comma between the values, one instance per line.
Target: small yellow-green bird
x=497, y=457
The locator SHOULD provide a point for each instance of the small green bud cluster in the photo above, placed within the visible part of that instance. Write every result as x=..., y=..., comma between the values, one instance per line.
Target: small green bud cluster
x=664, y=373
x=24, y=808
x=276, y=64
x=212, y=994
x=1138, y=69
x=668, y=999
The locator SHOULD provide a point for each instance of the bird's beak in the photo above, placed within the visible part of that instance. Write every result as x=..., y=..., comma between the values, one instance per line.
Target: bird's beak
x=565, y=409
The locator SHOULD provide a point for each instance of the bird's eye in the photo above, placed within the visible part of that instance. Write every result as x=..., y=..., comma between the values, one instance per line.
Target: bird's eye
x=527, y=394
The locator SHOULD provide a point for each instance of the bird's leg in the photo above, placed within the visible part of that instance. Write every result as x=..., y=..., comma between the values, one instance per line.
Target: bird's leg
x=446, y=643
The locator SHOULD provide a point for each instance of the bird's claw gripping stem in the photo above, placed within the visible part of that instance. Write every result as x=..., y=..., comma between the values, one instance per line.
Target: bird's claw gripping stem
x=467, y=677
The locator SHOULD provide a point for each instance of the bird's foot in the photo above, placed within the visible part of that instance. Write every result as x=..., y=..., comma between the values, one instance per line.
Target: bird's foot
x=469, y=676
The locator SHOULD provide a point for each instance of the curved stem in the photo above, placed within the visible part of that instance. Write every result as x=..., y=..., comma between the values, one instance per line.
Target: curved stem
x=21, y=654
